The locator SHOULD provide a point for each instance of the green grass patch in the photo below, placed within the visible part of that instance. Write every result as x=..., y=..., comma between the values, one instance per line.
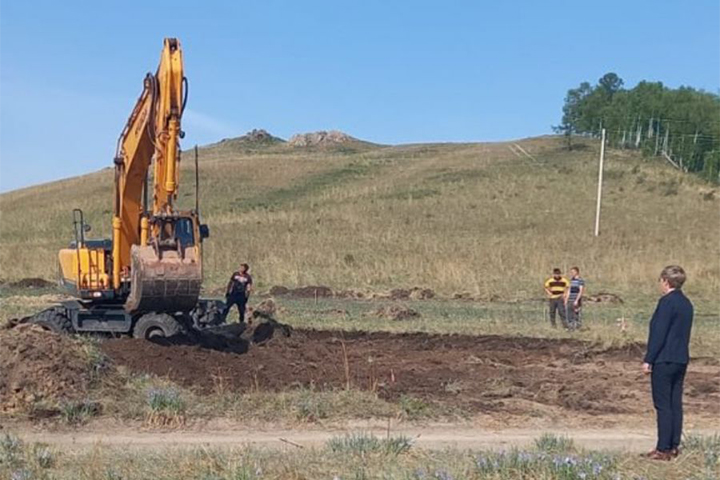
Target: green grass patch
x=551, y=443
x=363, y=443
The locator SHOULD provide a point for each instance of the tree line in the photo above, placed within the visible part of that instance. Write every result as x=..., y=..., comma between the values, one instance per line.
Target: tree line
x=682, y=125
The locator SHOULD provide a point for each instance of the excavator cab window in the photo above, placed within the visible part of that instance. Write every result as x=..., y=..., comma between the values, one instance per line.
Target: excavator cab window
x=184, y=232
x=176, y=230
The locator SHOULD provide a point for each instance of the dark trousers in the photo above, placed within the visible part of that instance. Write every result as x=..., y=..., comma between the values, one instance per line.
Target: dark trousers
x=573, y=314
x=556, y=305
x=240, y=301
x=667, y=389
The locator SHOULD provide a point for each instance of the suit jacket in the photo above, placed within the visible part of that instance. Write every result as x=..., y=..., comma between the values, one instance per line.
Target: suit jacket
x=669, y=339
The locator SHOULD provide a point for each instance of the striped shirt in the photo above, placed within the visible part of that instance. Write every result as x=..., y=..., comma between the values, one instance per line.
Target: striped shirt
x=575, y=284
x=556, y=287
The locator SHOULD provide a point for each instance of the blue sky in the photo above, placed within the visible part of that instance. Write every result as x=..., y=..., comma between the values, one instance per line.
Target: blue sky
x=385, y=71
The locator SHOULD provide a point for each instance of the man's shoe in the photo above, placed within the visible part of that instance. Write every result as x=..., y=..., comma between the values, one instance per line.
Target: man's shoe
x=649, y=454
x=675, y=452
x=660, y=455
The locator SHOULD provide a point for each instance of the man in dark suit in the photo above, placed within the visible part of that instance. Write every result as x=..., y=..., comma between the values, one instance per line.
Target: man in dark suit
x=667, y=359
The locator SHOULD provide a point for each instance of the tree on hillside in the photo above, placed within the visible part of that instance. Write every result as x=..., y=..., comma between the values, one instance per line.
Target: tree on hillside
x=610, y=83
x=680, y=124
x=575, y=100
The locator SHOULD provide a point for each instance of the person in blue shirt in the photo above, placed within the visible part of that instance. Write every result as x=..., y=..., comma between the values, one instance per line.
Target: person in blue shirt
x=573, y=299
x=666, y=360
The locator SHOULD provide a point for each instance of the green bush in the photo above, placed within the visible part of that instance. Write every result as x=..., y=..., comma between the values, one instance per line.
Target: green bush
x=551, y=443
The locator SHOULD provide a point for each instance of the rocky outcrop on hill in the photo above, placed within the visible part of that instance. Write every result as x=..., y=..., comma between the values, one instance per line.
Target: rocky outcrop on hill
x=321, y=138
x=256, y=137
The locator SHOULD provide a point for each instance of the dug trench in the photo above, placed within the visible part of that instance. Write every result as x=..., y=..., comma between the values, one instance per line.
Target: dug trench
x=476, y=374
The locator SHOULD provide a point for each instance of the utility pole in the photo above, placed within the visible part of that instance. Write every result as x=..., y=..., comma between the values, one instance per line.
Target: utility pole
x=600, y=182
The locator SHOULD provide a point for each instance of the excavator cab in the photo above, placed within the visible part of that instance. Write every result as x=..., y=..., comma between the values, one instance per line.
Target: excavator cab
x=85, y=264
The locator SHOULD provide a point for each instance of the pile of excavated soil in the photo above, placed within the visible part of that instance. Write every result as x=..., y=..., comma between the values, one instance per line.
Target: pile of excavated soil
x=38, y=365
x=604, y=297
x=310, y=291
x=415, y=293
x=321, y=291
x=477, y=373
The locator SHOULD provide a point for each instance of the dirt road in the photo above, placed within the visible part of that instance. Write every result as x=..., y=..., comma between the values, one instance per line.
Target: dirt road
x=429, y=437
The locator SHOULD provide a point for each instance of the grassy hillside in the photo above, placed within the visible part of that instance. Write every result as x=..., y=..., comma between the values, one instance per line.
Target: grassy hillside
x=479, y=218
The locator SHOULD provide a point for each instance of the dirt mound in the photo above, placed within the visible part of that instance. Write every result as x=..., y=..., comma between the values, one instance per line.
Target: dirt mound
x=38, y=365
x=310, y=291
x=396, y=312
x=477, y=373
x=415, y=293
x=604, y=297
x=278, y=291
x=462, y=296
x=321, y=138
x=31, y=283
x=336, y=312
x=356, y=294
x=267, y=307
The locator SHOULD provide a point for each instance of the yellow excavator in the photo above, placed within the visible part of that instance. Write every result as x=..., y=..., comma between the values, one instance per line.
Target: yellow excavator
x=145, y=280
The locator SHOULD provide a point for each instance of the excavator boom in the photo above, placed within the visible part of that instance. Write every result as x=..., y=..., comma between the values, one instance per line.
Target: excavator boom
x=157, y=263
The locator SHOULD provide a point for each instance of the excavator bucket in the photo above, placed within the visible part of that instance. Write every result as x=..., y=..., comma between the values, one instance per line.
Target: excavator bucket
x=169, y=282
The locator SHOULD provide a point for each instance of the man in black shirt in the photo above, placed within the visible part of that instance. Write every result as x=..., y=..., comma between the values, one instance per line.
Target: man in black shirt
x=238, y=291
x=667, y=359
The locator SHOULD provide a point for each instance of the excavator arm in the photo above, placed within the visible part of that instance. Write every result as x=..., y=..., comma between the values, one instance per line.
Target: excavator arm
x=152, y=130
x=161, y=270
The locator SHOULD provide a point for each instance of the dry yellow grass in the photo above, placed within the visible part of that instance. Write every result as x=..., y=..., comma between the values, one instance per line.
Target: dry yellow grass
x=478, y=218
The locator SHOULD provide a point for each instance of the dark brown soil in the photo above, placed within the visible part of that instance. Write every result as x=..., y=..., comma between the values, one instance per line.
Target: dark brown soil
x=36, y=365
x=415, y=293
x=478, y=374
x=31, y=283
x=311, y=291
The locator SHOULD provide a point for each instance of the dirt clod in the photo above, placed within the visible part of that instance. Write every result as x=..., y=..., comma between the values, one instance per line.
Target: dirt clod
x=266, y=307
